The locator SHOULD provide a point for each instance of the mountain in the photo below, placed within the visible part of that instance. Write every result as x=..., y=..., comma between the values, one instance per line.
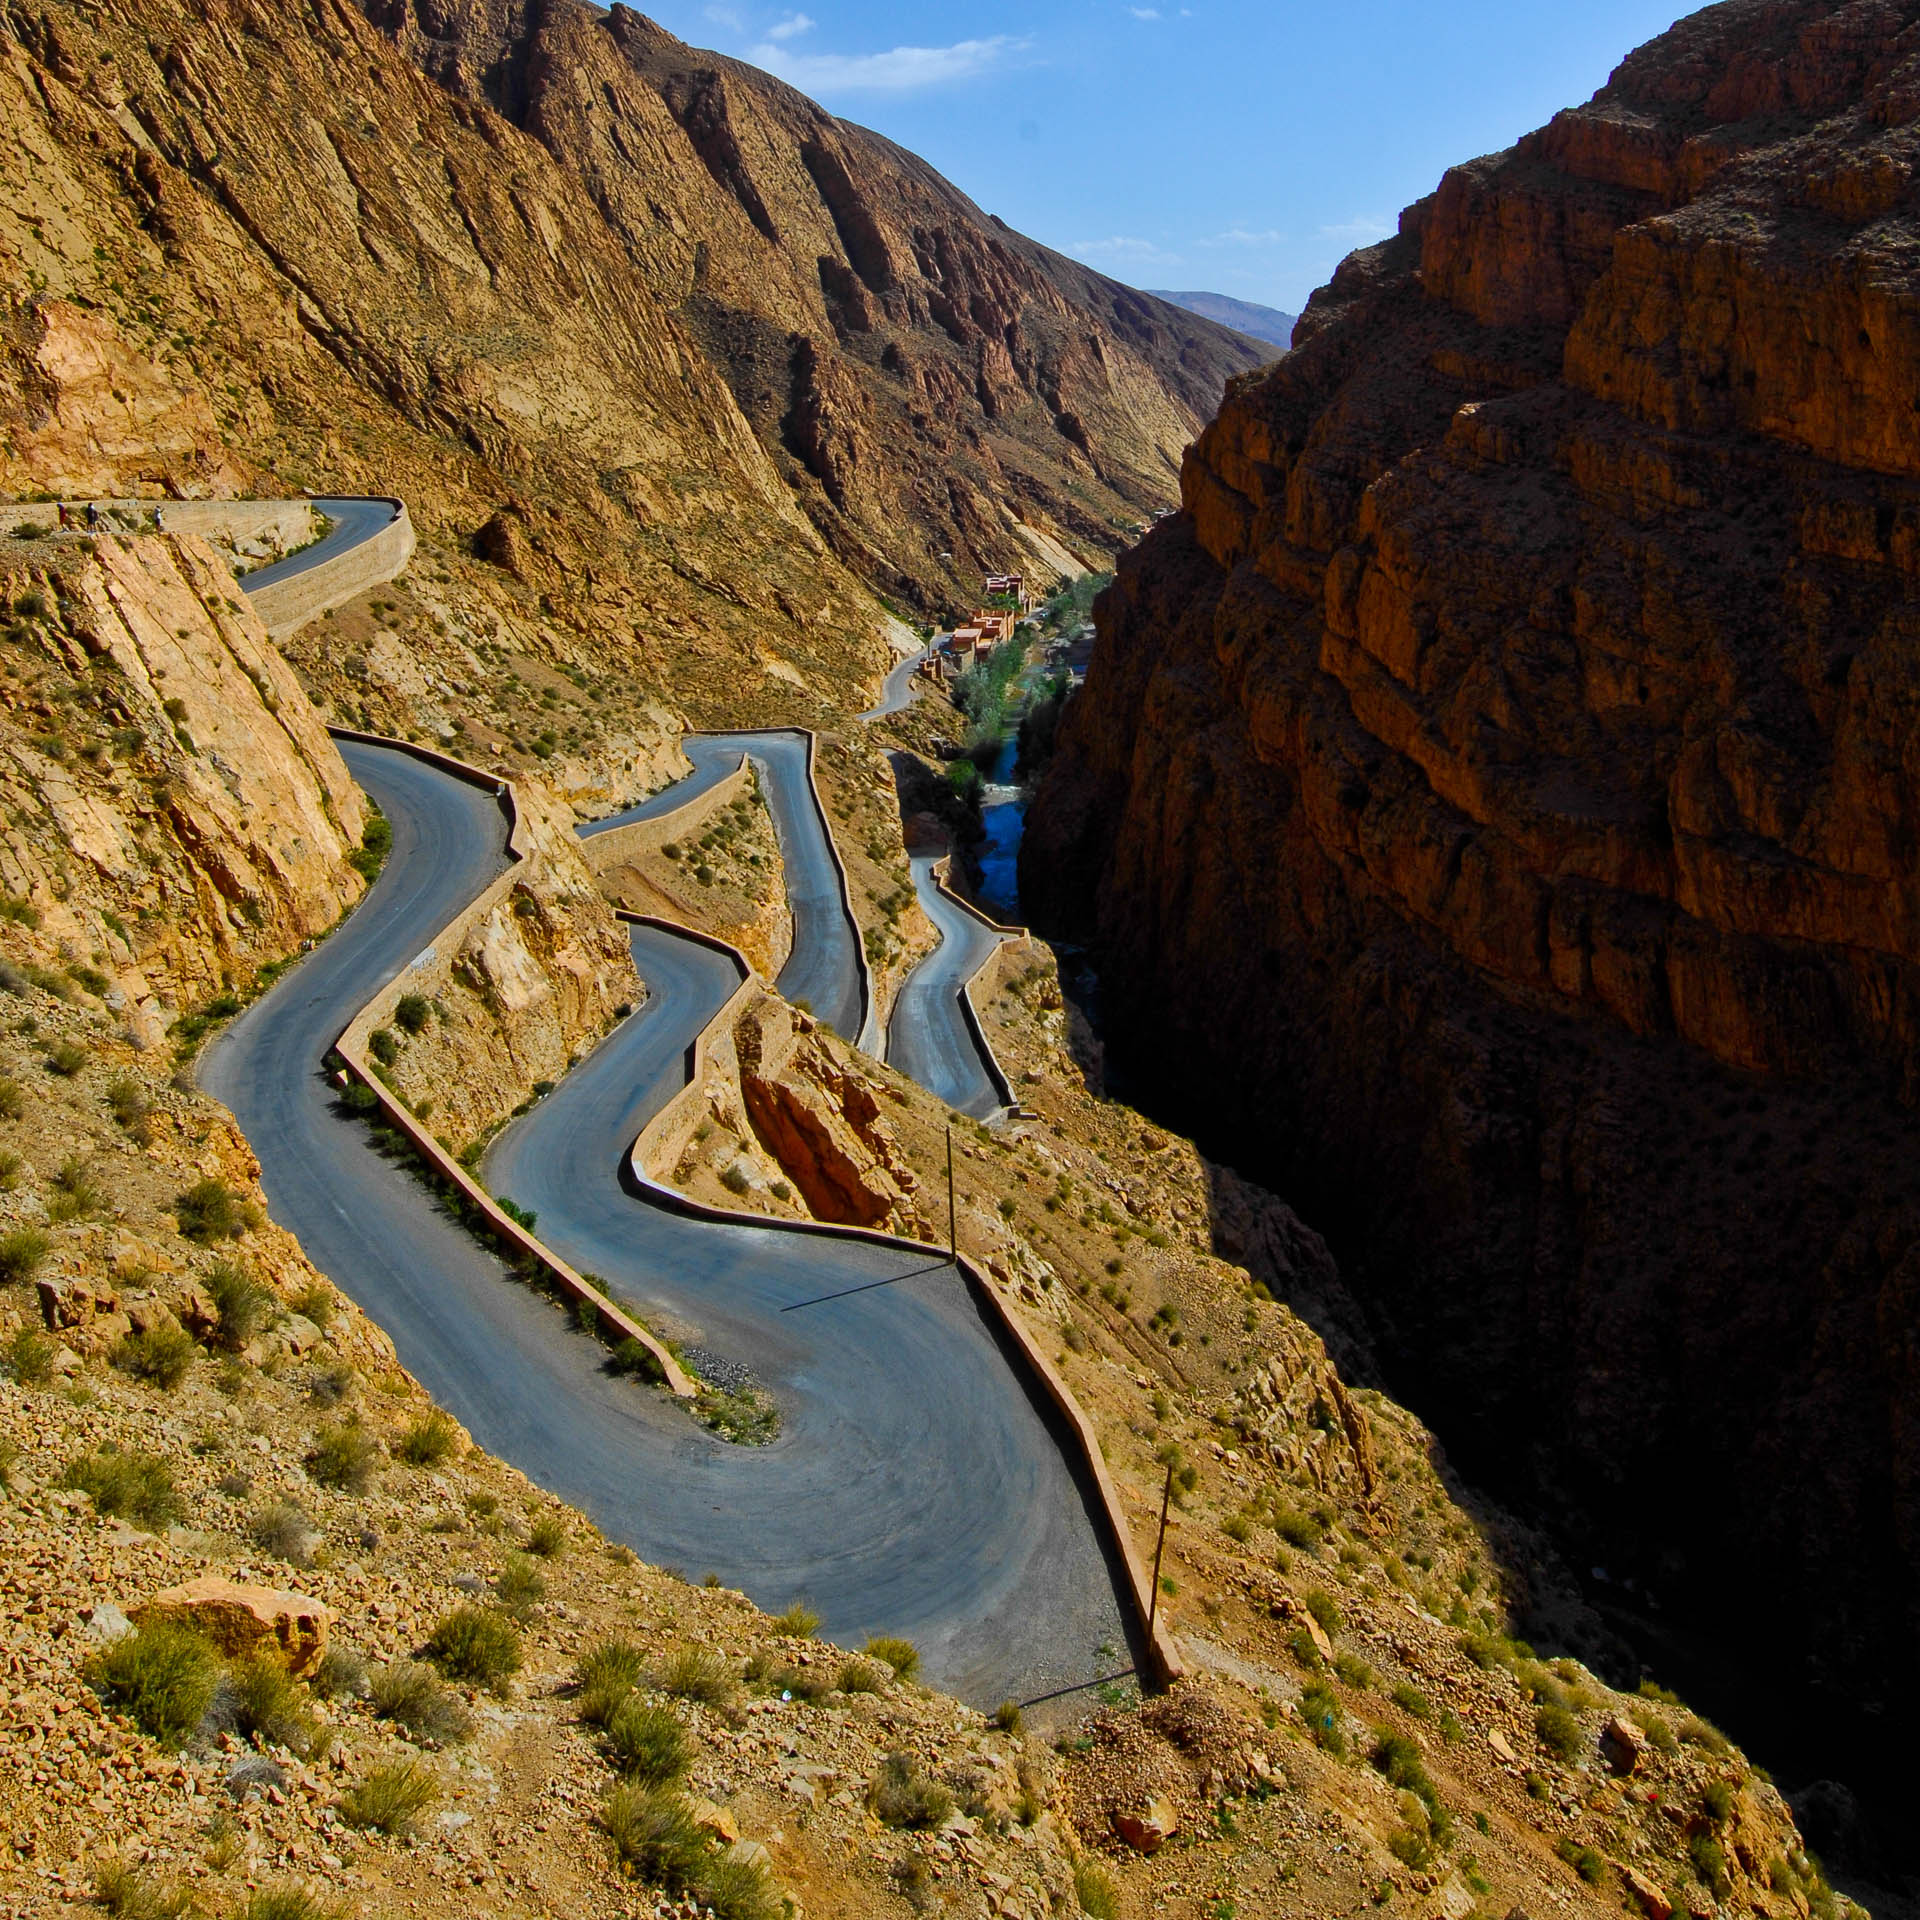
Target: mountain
x=651, y=316
x=1244, y=316
x=1493, y=795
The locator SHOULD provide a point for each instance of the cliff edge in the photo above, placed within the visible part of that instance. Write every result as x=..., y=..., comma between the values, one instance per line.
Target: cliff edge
x=1494, y=794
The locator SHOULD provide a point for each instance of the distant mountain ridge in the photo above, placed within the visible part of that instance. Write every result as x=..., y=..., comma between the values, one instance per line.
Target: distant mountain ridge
x=1243, y=316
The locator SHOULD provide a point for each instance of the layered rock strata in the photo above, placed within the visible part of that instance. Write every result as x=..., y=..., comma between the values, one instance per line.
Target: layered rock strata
x=1495, y=795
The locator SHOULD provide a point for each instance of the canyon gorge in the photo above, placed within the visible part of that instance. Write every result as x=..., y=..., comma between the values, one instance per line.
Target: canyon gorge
x=1494, y=800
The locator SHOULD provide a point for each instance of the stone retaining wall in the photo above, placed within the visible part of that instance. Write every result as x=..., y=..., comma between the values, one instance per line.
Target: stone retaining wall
x=614, y=1321
x=287, y=605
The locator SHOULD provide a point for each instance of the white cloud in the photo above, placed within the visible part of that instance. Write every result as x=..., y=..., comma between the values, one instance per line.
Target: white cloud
x=1241, y=237
x=1125, y=246
x=792, y=25
x=724, y=17
x=899, y=70
x=1145, y=13
x=1361, y=232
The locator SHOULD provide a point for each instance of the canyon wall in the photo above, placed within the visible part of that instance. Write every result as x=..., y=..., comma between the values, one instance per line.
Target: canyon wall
x=1496, y=794
x=176, y=815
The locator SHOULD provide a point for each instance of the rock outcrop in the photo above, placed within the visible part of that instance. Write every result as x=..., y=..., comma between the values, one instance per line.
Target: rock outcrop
x=177, y=813
x=1495, y=796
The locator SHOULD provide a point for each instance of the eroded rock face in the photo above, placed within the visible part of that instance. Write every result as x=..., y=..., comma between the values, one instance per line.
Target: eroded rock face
x=177, y=812
x=1495, y=796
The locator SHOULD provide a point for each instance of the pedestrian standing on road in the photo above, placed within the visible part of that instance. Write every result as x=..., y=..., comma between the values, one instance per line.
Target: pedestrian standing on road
x=93, y=515
x=66, y=519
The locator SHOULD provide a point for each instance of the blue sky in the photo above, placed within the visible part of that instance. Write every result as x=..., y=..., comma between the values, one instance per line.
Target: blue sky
x=1230, y=145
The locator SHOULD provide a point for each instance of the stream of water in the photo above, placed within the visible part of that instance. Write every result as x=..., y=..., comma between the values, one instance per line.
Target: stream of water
x=1003, y=812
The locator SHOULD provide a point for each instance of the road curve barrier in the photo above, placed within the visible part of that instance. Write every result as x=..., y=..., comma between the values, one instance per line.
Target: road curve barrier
x=613, y=1320
x=969, y=1008
x=287, y=604
x=1164, y=1658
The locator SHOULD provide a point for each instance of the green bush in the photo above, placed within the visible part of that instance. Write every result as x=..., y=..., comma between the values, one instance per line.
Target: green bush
x=282, y=1530
x=342, y=1674
x=903, y=1796
x=901, y=1655
x=210, y=1211
x=125, y=1892
x=1558, y=1731
x=654, y=1833
x=76, y=1194
x=1007, y=1716
x=129, y=1486
x=342, y=1456
x=163, y=1676
x=414, y=1698
x=631, y=1357
x=30, y=1357
x=1324, y=1608
x=21, y=1253
x=383, y=1046
x=696, y=1673
x=547, y=1536
x=1587, y=1862
x=412, y=1011
x=430, y=1440
x=604, y=1676
x=127, y=1102
x=243, y=1307
x=1353, y=1671
x=862, y=1676
x=162, y=1356
x=647, y=1743
x=520, y=1586
x=267, y=1704
x=799, y=1622
x=731, y=1889
x=1095, y=1891
x=1709, y=1861
x=1716, y=1797
x=1704, y=1734
x=390, y=1799
x=1410, y=1700
x=376, y=842
x=66, y=1058
x=13, y=1103
x=289, y=1903
x=479, y=1645
x=1320, y=1709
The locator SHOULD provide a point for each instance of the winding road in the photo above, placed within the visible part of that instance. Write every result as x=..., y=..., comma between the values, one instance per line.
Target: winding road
x=919, y=1485
x=824, y=969
x=354, y=520
x=929, y=1037
x=897, y=690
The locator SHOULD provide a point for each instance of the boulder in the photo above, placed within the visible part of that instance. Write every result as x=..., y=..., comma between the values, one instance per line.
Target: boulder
x=1621, y=1745
x=1652, y=1902
x=1501, y=1745
x=1150, y=1828
x=241, y=1619
x=714, y=1820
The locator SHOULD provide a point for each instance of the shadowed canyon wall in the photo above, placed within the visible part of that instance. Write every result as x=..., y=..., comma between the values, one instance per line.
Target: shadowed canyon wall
x=1496, y=797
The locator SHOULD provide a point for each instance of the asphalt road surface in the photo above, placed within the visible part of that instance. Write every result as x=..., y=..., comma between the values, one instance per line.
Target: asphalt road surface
x=353, y=521
x=928, y=1038
x=824, y=967
x=917, y=1486
x=897, y=690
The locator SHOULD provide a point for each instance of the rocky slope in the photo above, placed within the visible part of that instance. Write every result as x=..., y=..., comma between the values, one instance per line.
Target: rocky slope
x=1494, y=794
x=177, y=815
x=921, y=376
x=253, y=248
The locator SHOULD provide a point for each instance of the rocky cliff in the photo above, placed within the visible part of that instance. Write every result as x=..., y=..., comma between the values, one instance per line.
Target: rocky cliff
x=1496, y=793
x=176, y=814
x=687, y=369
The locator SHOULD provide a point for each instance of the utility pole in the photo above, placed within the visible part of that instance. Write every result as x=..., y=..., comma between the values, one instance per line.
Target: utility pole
x=1159, y=1547
x=953, y=1218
